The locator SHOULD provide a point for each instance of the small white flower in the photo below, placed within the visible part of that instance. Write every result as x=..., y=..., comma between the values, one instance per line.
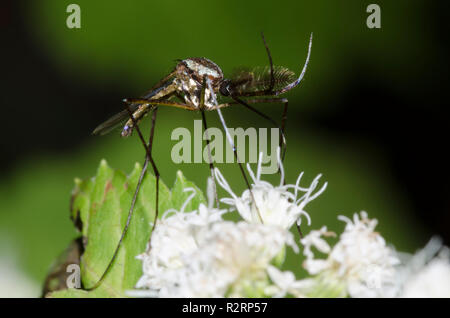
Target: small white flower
x=241, y=253
x=425, y=274
x=285, y=283
x=174, y=237
x=432, y=281
x=275, y=205
x=360, y=259
x=314, y=239
x=197, y=254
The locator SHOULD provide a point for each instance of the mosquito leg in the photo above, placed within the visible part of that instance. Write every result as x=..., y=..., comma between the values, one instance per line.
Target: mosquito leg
x=283, y=128
x=230, y=141
x=130, y=213
x=272, y=78
x=146, y=105
x=283, y=122
x=299, y=79
x=156, y=102
x=263, y=100
x=211, y=165
x=148, y=159
x=155, y=171
x=299, y=230
x=138, y=115
x=282, y=141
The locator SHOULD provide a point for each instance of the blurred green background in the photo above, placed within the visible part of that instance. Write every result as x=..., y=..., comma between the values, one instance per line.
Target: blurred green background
x=368, y=115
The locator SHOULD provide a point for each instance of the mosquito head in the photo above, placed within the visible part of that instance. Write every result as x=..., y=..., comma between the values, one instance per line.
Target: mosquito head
x=225, y=87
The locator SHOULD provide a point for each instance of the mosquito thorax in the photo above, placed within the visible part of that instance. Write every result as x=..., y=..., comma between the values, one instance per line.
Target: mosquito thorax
x=190, y=74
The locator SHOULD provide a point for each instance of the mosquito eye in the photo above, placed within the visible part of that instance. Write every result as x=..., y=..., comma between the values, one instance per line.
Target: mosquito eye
x=225, y=88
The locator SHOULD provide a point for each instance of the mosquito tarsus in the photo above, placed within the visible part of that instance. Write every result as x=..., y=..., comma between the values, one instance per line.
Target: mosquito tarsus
x=193, y=85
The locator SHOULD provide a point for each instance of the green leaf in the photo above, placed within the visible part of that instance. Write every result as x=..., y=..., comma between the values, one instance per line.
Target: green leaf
x=100, y=208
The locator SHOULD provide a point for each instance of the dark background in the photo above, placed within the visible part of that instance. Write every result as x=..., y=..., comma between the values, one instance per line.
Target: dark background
x=371, y=114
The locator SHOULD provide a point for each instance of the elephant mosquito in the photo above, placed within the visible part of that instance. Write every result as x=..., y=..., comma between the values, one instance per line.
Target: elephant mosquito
x=193, y=85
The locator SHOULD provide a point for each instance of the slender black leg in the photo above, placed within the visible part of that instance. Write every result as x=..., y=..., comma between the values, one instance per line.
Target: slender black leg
x=283, y=129
x=282, y=141
x=211, y=165
x=230, y=141
x=246, y=103
x=155, y=171
x=130, y=213
x=205, y=126
x=148, y=158
x=272, y=78
x=299, y=231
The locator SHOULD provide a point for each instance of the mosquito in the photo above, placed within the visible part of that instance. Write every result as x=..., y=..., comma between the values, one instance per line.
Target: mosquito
x=193, y=85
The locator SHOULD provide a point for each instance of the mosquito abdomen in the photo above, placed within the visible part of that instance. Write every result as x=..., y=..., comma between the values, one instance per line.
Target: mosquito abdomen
x=259, y=79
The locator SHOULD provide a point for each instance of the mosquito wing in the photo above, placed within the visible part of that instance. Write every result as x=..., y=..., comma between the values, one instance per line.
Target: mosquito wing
x=259, y=78
x=123, y=116
x=161, y=85
x=115, y=121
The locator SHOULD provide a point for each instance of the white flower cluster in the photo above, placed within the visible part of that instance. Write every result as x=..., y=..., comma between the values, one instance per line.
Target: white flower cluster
x=433, y=280
x=361, y=264
x=199, y=254
x=360, y=260
x=426, y=273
